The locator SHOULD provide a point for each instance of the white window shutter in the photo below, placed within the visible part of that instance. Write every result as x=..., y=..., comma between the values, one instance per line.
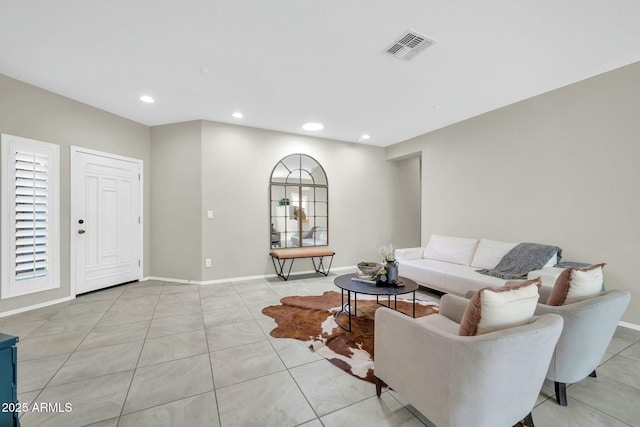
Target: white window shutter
x=30, y=222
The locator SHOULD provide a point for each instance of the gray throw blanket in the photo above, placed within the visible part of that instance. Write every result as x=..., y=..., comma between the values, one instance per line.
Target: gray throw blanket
x=522, y=259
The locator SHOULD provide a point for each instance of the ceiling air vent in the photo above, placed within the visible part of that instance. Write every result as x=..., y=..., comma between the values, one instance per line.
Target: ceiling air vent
x=408, y=44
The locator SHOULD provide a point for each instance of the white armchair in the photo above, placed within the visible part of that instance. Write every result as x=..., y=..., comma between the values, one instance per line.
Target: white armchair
x=485, y=380
x=588, y=328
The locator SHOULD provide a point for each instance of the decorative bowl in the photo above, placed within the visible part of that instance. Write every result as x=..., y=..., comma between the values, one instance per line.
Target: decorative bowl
x=369, y=268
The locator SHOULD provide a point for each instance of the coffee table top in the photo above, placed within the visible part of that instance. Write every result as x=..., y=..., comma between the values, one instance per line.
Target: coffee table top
x=345, y=282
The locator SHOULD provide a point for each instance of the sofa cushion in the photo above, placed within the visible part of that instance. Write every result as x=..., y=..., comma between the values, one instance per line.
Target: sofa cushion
x=576, y=284
x=445, y=276
x=463, y=279
x=426, y=272
x=458, y=250
x=490, y=252
x=491, y=309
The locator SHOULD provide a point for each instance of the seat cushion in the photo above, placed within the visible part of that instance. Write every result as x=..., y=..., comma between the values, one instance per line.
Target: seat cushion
x=492, y=309
x=445, y=276
x=425, y=272
x=461, y=280
x=440, y=322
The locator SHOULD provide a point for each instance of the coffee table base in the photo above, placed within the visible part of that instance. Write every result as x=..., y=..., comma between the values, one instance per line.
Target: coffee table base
x=346, y=308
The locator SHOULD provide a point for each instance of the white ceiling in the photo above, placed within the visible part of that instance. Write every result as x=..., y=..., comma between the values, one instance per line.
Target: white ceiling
x=286, y=62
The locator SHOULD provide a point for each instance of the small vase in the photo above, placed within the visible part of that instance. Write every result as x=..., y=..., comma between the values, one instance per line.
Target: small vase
x=392, y=271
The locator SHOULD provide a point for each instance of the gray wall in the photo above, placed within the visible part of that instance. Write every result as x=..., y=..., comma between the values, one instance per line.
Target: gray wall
x=236, y=167
x=405, y=180
x=30, y=112
x=560, y=168
x=176, y=201
x=227, y=171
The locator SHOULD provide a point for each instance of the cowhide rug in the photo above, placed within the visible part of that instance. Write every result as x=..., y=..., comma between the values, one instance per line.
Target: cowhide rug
x=311, y=319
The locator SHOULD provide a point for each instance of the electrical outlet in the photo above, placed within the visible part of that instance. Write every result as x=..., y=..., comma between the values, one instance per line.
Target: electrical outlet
x=207, y=262
x=209, y=214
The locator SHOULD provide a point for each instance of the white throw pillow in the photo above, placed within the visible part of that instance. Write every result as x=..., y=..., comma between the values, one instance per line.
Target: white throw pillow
x=576, y=284
x=457, y=250
x=492, y=309
x=584, y=284
x=507, y=309
x=490, y=252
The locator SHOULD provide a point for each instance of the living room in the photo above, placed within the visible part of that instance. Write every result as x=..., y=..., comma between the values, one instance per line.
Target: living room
x=557, y=168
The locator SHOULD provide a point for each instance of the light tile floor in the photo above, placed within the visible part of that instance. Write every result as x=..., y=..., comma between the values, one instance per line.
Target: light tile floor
x=167, y=354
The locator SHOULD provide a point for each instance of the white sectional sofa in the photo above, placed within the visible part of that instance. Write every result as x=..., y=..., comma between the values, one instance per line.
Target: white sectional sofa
x=449, y=264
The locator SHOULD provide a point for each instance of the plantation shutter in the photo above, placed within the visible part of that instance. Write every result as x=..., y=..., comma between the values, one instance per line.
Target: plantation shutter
x=32, y=220
x=30, y=259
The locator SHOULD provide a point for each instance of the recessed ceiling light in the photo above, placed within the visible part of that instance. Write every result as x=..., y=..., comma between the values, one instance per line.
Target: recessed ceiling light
x=365, y=136
x=147, y=99
x=313, y=126
x=238, y=115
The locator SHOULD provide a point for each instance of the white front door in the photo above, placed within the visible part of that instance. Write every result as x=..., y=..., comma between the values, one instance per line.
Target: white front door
x=106, y=223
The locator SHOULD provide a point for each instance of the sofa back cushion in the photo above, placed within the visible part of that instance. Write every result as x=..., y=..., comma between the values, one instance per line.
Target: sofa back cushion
x=458, y=250
x=490, y=252
x=576, y=284
x=492, y=309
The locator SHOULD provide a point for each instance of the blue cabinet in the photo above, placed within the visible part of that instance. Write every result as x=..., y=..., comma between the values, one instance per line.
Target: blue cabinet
x=8, y=381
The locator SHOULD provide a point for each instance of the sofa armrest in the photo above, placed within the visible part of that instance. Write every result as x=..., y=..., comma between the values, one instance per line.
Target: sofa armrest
x=547, y=275
x=409, y=253
x=452, y=307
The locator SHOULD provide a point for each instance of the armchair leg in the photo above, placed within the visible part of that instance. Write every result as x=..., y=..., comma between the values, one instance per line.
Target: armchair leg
x=378, y=386
x=561, y=393
x=528, y=420
x=593, y=374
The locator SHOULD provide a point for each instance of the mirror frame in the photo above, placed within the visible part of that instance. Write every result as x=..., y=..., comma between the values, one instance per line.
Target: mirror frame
x=297, y=163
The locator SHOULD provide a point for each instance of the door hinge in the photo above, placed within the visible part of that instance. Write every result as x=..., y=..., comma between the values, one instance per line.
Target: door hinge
x=138, y=177
x=138, y=220
x=138, y=263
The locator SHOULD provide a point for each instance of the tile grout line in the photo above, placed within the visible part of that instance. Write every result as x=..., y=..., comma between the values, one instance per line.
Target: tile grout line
x=286, y=368
x=72, y=352
x=144, y=341
x=213, y=381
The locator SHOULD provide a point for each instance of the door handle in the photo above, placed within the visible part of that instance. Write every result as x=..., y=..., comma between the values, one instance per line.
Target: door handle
x=81, y=231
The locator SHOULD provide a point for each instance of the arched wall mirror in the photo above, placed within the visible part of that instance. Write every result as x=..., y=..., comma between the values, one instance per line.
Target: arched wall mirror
x=299, y=197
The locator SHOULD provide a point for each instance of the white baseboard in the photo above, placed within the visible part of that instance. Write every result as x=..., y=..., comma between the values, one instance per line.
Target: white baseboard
x=35, y=306
x=234, y=279
x=629, y=325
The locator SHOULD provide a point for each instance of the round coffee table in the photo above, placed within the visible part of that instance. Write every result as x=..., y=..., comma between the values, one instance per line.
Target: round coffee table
x=345, y=283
